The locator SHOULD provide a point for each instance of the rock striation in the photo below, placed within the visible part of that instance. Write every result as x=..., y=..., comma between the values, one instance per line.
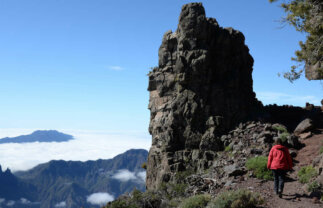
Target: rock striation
x=200, y=90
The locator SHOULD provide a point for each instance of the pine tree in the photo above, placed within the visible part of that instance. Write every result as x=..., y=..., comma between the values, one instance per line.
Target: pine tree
x=306, y=16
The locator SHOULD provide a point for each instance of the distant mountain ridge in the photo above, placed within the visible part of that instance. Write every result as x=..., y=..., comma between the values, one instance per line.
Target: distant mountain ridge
x=71, y=182
x=39, y=136
x=11, y=187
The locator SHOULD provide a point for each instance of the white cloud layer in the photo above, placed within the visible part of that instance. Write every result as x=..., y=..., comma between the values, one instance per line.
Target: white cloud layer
x=60, y=205
x=24, y=201
x=87, y=145
x=100, y=198
x=286, y=99
x=125, y=175
x=10, y=203
x=115, y=68
x=2, y=200
x=142, y=175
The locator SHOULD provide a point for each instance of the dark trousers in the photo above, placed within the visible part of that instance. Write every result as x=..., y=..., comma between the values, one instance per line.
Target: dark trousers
x=279, y=180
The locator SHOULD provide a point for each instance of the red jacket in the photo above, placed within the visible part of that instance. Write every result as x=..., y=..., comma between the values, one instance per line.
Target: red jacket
x=279, y=158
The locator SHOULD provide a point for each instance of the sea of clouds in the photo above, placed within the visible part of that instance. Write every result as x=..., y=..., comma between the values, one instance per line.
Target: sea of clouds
x=21, y=202
x=87, y=145
x=98, y=198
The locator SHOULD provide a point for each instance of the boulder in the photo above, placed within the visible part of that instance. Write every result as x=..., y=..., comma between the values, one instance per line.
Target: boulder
x=293, y=141
x=233, y=170
x=251, y=126
x=256, y=151
x=265, y=137
x=305, y=135
x=304, y=126
x=318, y=164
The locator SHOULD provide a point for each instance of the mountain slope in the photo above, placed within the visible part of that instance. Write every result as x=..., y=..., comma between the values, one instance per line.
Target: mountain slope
x=72, y=182
x=11, y=187
x=39, y=136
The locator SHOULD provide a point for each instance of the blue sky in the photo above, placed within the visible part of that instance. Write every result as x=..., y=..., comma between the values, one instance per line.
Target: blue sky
x=83, y=64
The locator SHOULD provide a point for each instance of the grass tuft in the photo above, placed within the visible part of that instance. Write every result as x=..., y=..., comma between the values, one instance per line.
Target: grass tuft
x=314, y=187
x=306, y=173
x=259, y=166
x=197, y=201
x=237, y=199
x=321, y=149
x=280, y=128
x=228, y=148
x=284, y=136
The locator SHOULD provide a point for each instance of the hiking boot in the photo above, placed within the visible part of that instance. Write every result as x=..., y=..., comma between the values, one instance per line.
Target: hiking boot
x=280, y=194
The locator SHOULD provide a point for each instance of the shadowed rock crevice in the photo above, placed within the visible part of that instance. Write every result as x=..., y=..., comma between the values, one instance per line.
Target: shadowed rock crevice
x=201, y=88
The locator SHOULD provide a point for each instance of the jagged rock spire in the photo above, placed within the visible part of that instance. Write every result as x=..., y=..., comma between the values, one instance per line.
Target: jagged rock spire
x=201, y=88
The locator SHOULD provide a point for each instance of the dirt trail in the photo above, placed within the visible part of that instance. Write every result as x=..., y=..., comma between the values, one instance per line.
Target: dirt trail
x=294, y=196
x=306, y=155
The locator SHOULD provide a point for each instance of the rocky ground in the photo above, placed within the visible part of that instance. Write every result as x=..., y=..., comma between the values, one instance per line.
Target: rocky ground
x=295, y=194
x=248, y=140
x=255, y=138
x=229, y=172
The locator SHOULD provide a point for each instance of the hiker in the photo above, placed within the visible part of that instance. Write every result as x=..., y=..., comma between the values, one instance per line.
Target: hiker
x=279, y=161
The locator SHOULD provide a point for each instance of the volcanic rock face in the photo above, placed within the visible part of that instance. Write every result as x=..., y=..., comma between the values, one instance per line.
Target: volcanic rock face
x=201, y=88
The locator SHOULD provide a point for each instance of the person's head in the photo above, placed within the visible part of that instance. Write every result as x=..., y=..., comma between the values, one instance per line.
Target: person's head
x=278, y=141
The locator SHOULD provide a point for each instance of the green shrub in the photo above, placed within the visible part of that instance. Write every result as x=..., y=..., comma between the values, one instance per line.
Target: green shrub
x=174, y=202
x=182, y=175
x=259, y=166
x=137, y=200
x=237, y=199
x=283, y=132
x=162, y=187
x=306, y=174
x=179, y=188
x=197, y=201
x=228, y=148
x=121, y=204
x=171, y=190
x=314, y=186
x=280, y=128
x=283, y=136
x=144, y=165
x=137, y=195
x=151, y=198
x=321, y=149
